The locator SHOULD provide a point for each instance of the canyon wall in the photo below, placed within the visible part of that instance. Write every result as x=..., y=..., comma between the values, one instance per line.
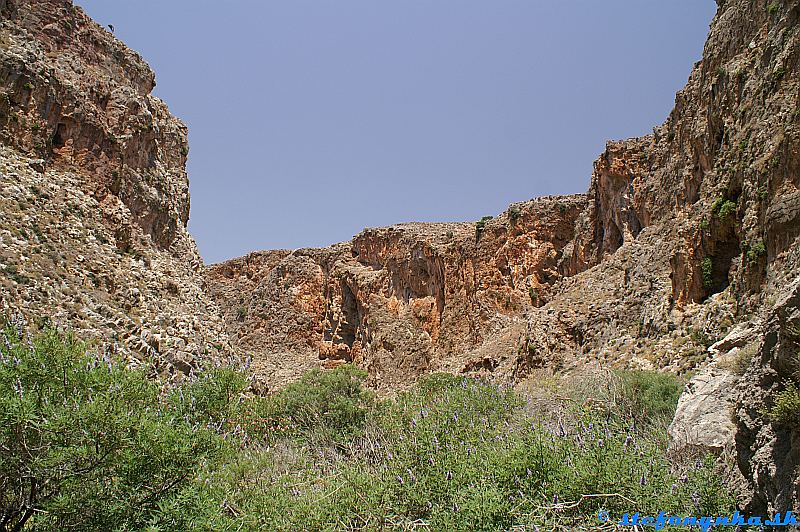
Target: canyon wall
x=400, y=301
x=94, y=196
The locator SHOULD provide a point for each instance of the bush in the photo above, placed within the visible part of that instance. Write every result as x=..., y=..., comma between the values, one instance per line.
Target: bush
x=786, y=406
x=324, y=405
x=648, y=395
x=756, y=251
x=727, y=208
x=707, y=269
x=86, y=444
x=479, y=226
x=456, y=453
x=723, y=207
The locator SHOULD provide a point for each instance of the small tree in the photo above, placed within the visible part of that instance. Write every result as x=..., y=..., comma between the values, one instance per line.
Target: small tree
x=86, y=444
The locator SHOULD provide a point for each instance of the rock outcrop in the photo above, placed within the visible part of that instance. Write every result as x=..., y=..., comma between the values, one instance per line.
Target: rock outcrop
x=402, y=300
x=94, y=193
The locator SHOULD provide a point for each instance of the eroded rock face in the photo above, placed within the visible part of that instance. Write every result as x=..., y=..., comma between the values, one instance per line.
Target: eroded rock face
x=401, y=300
x=73, y=95
x=768, y=450
x=94, y=194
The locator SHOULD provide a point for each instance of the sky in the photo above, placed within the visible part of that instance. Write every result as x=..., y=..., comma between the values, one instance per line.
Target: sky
x=312, y=119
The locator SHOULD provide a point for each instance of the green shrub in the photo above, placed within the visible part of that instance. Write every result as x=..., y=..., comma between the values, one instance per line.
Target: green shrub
x=514, y=213
x=707, y=270
x=756, y=251
x=324, y=405
x=773, y=8
x=727, y=208
x=458, y=453
x=723, y=207
x=480, y=225
x=451, y=453
x=786, y=406
x=86, y=444
x=650, y=395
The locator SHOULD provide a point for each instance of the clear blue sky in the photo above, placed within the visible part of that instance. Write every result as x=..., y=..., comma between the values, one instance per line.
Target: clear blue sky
x=309, y=120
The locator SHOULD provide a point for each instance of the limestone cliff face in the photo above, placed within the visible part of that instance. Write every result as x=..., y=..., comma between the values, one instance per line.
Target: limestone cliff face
x=401, y=300
x=94, y=194
x=682, y=234
x=80, y=99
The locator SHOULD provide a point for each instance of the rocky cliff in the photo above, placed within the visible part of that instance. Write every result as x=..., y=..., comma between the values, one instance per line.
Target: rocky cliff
x=682, y=234
x=94, y=196
x=402, y=300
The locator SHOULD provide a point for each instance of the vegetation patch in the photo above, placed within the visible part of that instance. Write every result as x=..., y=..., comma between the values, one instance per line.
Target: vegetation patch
x=86, y=444
x=785, y=409
x=479, y=227
x=756, y=251
x=707, y=270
